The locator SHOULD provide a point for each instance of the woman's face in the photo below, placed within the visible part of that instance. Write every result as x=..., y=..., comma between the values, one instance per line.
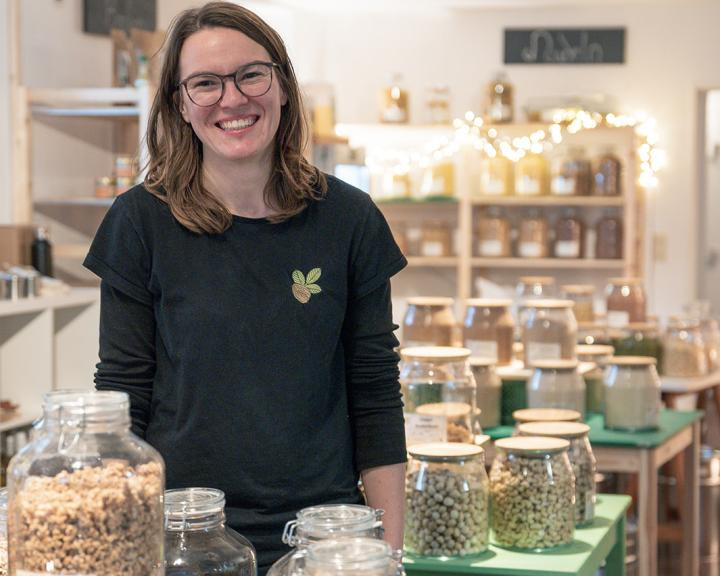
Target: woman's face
x=238, y=127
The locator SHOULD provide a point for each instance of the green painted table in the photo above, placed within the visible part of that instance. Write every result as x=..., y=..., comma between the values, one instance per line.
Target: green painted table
x=643, y=453
x=604, y=540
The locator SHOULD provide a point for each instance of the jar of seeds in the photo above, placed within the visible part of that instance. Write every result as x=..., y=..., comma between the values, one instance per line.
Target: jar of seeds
x=582, y=460
x=532, y=493
x=556, y=384
x=446, y=496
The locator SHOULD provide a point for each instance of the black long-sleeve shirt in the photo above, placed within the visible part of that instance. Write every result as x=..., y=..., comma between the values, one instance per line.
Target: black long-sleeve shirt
x=258, y=361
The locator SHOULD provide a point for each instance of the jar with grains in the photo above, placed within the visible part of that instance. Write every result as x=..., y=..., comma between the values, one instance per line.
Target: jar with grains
x=489, y=391
x=582, y=460
x=532, y=493
x=569, y=236
x=632, y=393
x=607, y=175
x=637, y=339
x=549, y=330
x=428, y=322
x=85, y=458
x=583, y=296
x=533, y=236
x=350, y=557
x=625, y=301
x=439, y=394
x=684, y=352
x=3, y=533
x=197, y=540
x=493, y=234
x=325, y=522
x=531, y=175
x=570, y=173
x=446, y=500
x=488, y=329
x=609, y=237
x=496, y=175
x=556, y=384
x=598, y=355
x=545, y=415
x=593, y=333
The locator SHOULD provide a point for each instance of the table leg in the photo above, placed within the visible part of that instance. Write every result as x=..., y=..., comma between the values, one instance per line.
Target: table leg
x=691, y=506
x=647, y=514
x=615, y=561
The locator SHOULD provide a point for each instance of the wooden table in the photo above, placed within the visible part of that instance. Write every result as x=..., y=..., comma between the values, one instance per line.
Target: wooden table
x=643, y=453
x=603, y=540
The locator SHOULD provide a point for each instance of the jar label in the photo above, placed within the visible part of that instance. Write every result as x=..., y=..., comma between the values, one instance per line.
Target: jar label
x=432, y=249
x=528, y=186
x=483, y=348
x=618, y=318
x=543, y=351
x=491, y=248
x=421, y=428
x=530, y=249
x=567, y=249
x=562, y=186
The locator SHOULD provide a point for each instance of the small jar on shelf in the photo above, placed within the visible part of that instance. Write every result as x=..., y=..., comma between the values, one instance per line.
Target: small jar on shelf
x=438, y=179
x=583, y=296
x=500, y=100
x=534, y=287
x=609, y=237
x=493, y=234
x=570, y=173
x=625, y=302
x=496, y=175
x=428, y=321
x=549, y=330
x=394, y=106
x=531, y=175
x=684, y=352
x=607, y=174
x=556, y=384
x=438, y=104
x=437, y=239
x=632, y=393
x=533, y=236
x=488, y=329
x=569, y=236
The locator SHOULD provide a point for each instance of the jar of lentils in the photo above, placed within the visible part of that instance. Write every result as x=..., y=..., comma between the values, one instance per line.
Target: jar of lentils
x=446, y=498
x=582, y=460
x=532, y=493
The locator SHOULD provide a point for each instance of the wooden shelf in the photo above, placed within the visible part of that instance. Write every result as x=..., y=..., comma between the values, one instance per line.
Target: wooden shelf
x=429, y=261
x=599, y=201
x=74, y=201
x=558, y=263
x=75, y=298
x=86, y=97
x=88, y=112
x=19, y=420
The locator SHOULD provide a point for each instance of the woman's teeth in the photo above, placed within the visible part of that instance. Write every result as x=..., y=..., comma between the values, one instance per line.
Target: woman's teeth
x=237, y=124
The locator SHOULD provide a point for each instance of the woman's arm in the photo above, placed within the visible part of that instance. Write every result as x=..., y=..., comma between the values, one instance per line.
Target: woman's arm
x=385, y=489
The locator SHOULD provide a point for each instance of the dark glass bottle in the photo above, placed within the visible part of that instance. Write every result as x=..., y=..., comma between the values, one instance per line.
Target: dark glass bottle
x=41, y=252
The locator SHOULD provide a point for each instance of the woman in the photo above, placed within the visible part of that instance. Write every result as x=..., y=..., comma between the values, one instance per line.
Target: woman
x=246, y=297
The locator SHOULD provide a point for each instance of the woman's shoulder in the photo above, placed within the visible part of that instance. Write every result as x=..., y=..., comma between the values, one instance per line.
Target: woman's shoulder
x=140, y=206
x=344, y=198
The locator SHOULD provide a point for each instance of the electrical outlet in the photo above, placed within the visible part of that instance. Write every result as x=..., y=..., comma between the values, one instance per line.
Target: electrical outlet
x=660, y=249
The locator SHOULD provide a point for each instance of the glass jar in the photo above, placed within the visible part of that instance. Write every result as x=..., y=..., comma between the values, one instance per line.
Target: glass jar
x=438, y=104
x=350, y=557
x=569, y=236
x=496, y=175
x=493, y=234
x=488, y=329
x=549, y=330
x=325, y=522
x=500, y=100
x=489, y=392
x=684, y=352
x=438, y=393
x=545, y=415
x=436, y=240
x=446, y=500
x=533, y=236
x=556, y=384
x=625, y=302
x=599, y=355
x=570, y=173
x=438, y=180
x=637, y=339
x=197, y=541
x=428, y=322
x=532, y=493
x=632, y=393
x=394, y=105
x=593, y=333
x=609, y=238
x=583, y=296
x=3, y=532
x=607, y=175
x=582, y=460
x=86, y=456
x=535, y=287
x=531, y=175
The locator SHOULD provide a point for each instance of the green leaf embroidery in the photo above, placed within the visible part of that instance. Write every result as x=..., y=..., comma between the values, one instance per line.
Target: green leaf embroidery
x=298, y=277
x=314, y=275
x=313, y=288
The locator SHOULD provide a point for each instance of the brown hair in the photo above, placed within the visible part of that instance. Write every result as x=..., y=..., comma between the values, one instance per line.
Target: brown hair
x=175, y=165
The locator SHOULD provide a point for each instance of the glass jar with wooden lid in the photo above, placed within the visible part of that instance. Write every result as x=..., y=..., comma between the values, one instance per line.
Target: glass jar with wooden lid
x=684, y=353
x=533, y=236
x=488, y=392
x=531, y=175
x=556, y=384
x=496, y=175
x=569, y=235
x=637, y=339
x=583, y=296
x=632, y=393
x=598, y=355
x=488, y=329
x=570, y=173
x=535, y=287
x=436, y=240
x=607, y=174
x=546, y=415
x=593, y=333
x=549, y=330
x=626, y=301
x=493, y=233
x=428, y=321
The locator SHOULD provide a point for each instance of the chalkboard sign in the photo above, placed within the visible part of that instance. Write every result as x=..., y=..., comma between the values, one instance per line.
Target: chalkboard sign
x=100, y=16
x=564, y=45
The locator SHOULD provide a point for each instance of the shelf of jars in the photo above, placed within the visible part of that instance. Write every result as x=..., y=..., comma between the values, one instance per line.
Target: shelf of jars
x=558, y=263
x=580, y=201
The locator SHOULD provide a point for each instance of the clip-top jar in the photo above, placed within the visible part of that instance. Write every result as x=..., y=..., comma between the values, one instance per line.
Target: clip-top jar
x=625, y=301
x=532, y=492
x=350, y=557
x=632, y=393
x=197, y=540
x=582, y=460
x=428, y=322
x=85, y=458
x=556, y=384
x=488, y=329
x=446, y=500
x=325, y=522
x=549, y=330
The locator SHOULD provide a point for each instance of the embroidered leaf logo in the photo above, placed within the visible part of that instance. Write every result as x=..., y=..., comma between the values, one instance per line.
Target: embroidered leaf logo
x=303, y=287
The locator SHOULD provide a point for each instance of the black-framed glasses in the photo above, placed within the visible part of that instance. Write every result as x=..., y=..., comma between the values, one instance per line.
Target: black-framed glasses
x=253, y=80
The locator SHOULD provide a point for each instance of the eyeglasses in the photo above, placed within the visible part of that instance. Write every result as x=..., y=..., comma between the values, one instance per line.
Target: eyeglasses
x=252, y=80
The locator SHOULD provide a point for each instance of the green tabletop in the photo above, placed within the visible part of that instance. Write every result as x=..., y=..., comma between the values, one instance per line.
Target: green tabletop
x=604, y=538
x=671, y=422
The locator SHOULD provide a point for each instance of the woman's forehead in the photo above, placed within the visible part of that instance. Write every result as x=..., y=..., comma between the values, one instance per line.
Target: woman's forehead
x=220, y=50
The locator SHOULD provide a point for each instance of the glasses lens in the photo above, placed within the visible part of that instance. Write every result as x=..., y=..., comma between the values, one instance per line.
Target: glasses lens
x=204, y=90
x=254, y=80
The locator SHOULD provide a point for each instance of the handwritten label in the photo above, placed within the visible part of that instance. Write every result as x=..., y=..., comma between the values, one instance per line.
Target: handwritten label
x=564, y=45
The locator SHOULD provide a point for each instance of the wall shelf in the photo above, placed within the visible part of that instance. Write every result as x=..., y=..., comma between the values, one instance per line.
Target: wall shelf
x=557, y=263
x=580, y=201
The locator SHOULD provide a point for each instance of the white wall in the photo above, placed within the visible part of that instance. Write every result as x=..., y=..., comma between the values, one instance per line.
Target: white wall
x=5, y=135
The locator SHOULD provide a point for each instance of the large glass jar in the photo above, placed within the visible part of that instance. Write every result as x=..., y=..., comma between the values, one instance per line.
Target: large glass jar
x=545, y=415
x=556, y=384
x=325, y=522
x=446, y=500
x=350, y=557
x=197, y=541
x=87, y=473
x=3, y=533
x=531, y=175
x=583, y=296
x=549, y=330
x=609, y=237
x=531, y=478
x=570, y=173
x=632, y=393
x=684, y=353
x=637, y=339
x=569, y=236
x=582, y=460
x=533, y=236
x=438, y=393
x=489, y=391
x=493, y=234
x=598, y=355
x=607, y=172
x=625, y=301
x=496, y=175
x=428, y=322
x=488, y=329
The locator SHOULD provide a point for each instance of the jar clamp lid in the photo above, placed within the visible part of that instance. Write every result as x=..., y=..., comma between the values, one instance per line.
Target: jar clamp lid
x=317, y=522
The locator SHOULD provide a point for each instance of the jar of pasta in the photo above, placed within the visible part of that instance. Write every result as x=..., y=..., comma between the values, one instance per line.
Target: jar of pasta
x=625, y=301
x=531, y=175
x=632, y=393
x=428, y=321
x=556, y=384
x=549, y=330
x=583, y=297
x=488, y=329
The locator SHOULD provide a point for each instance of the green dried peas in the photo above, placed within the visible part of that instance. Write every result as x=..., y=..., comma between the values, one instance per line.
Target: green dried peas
x=584, y=468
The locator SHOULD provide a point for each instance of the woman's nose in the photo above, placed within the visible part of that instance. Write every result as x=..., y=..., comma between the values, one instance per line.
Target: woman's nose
x=232, y=96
